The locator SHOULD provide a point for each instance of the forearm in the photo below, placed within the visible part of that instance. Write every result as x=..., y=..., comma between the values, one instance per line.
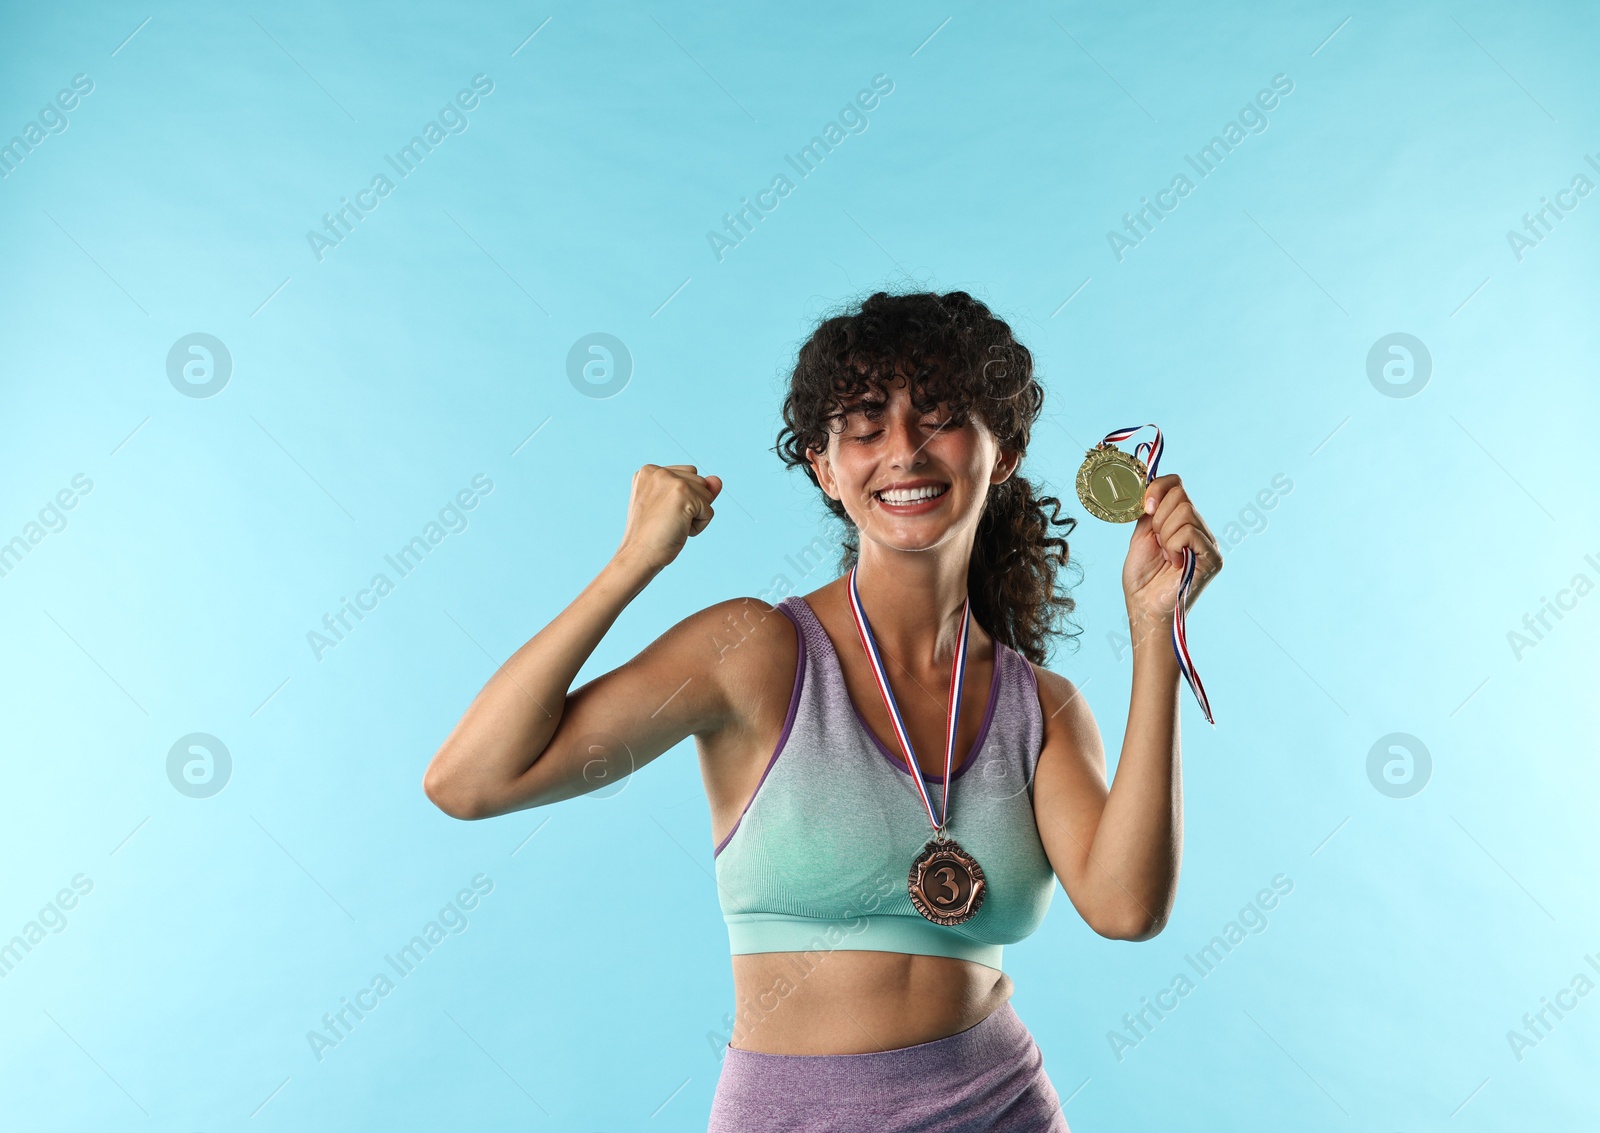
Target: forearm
x=511, y=720
x=1139, y=841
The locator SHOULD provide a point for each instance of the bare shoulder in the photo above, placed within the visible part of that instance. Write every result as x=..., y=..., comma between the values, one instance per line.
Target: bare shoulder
x=755, y=653
x=715, y=630
x=1070, y=731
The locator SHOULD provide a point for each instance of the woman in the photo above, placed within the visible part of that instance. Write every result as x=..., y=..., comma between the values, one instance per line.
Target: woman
x=869, y=994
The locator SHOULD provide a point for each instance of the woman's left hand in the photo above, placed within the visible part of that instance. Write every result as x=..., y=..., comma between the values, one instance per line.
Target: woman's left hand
x=1154, y=566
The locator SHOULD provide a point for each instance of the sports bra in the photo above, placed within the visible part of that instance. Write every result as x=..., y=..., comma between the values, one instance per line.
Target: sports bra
x=819, y=858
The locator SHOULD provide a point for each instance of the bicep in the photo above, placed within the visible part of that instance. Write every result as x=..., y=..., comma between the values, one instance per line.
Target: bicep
x=611, y=726
x=1069, y=787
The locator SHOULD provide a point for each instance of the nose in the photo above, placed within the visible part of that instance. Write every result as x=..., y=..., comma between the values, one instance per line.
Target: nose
x=905, y=439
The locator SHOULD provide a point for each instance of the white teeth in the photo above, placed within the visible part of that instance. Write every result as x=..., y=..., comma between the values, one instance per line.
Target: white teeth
x=910, y=495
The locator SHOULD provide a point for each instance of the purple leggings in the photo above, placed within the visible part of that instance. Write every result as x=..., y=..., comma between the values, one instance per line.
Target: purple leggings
x=987, y=1079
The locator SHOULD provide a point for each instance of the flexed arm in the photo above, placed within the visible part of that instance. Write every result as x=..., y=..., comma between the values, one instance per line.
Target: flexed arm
x=520, y=743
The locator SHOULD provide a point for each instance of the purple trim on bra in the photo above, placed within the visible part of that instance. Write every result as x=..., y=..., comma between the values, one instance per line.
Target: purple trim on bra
x=894, y=760
x=788, y=726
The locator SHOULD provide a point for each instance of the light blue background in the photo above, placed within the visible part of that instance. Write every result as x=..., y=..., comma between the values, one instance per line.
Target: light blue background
x=368, y=388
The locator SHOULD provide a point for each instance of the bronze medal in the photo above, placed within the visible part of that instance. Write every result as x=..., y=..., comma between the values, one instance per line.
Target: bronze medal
x=1111, y=484
x=946, y=883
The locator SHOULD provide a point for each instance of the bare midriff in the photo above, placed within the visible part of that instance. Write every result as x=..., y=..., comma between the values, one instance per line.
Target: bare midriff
x=844, y=1002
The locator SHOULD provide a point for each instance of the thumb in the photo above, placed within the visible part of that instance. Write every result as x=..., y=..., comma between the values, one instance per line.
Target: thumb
x=715, y=484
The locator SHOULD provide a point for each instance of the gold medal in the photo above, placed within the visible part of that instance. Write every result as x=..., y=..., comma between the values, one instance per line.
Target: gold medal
x=1111, y=484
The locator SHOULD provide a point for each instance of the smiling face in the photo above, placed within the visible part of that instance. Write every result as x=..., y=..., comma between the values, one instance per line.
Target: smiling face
x=910, y=480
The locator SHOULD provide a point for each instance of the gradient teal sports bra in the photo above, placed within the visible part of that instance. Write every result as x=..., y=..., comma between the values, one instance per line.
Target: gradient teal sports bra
x=819, y=858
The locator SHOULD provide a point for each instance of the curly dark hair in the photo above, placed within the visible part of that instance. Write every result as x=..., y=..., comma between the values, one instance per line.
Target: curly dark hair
x=956, y=353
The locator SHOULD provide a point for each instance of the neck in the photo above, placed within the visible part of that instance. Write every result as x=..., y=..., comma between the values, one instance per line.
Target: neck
x=914, y=603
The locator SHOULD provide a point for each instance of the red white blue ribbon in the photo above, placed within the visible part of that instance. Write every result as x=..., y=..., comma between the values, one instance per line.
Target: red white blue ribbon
x=1180, y=636
x=958, y=669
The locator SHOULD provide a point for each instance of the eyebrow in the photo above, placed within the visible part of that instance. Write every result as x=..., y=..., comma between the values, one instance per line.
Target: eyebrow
x=861, y=403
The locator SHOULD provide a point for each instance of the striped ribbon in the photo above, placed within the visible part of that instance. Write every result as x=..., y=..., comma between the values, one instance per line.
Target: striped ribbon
x=958, y=669
x=1180, y=635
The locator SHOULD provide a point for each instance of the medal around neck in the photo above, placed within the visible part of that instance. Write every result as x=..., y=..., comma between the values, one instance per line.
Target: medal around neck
x=946, y=883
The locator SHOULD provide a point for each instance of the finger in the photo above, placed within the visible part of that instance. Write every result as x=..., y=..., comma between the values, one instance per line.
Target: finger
x=1157, y=490
x=1205, y=549
x=1176, y=502
x=703, y=490
x=700, y=522
x=1172, y=499
x=700, y=485
x=1172, y=514
x=1198, y=520
x=1186, y=533
x=1144, y=528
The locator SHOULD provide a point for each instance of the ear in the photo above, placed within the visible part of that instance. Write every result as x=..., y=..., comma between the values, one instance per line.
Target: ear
x=1005, y=464
x=823, y=468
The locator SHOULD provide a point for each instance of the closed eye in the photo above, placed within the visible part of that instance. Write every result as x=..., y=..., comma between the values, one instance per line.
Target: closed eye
x=931, y=426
